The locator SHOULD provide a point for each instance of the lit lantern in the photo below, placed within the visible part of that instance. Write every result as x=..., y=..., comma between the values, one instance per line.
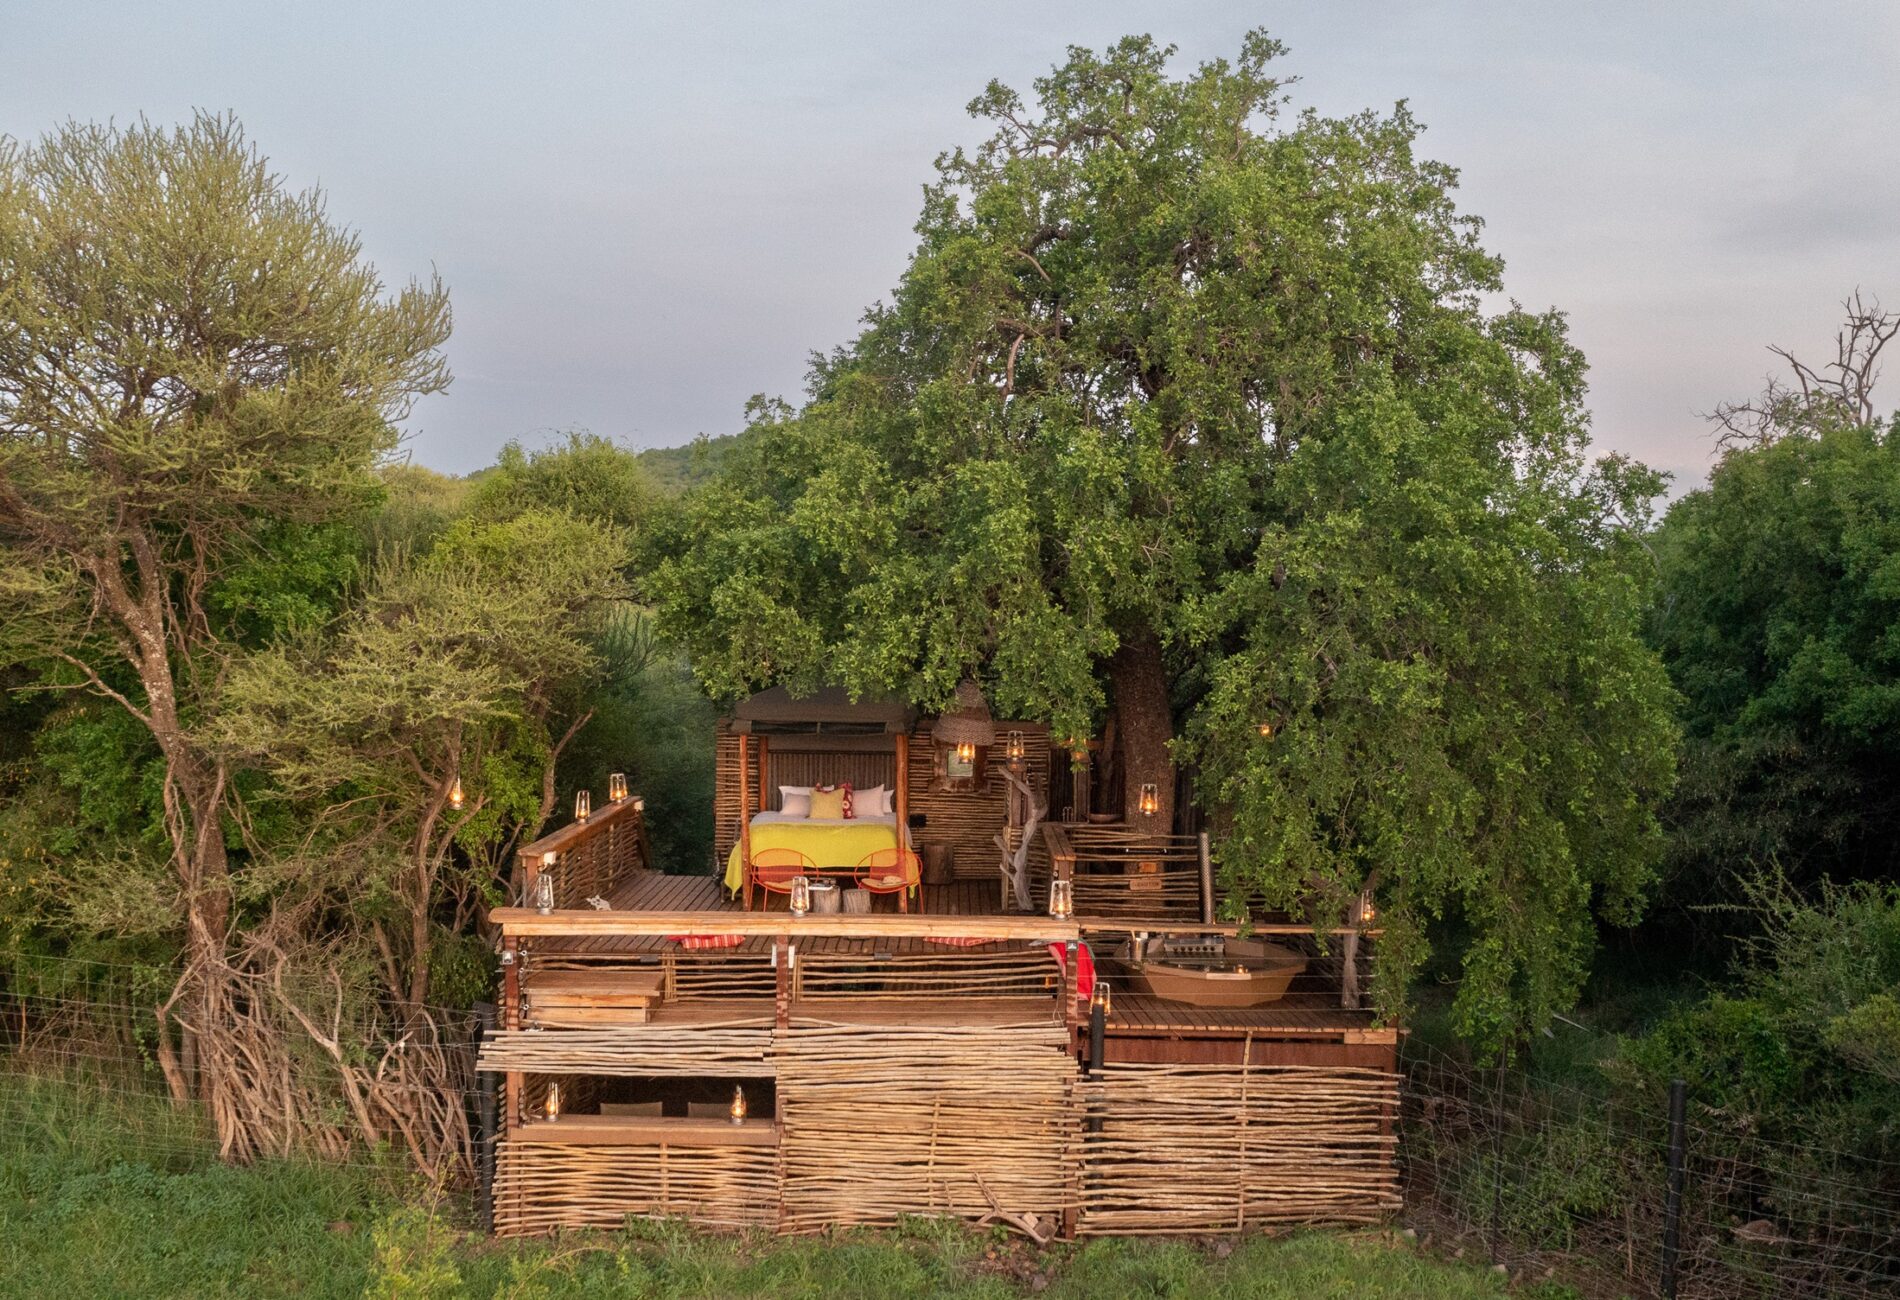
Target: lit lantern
x=966, y=752
x=544, y=888
x=554, y=1102
x=1266, y=730
x=1101, y=997
x=583, y=804
x=1150, y=802
x=738, y=1104
x=1366, y=911
x=455, y=794
x=1061, y=899
x=1013, y=747
x=616, y=787
x=801, y=895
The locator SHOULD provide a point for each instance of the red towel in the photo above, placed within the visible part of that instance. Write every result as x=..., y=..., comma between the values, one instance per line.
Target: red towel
x=707, y=940
x=1084, y=967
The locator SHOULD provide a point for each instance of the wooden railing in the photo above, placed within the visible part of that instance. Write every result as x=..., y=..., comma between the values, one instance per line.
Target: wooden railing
x=591, y=858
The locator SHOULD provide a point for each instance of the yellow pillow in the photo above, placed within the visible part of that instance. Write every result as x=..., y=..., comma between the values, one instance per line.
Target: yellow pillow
x=827, y=804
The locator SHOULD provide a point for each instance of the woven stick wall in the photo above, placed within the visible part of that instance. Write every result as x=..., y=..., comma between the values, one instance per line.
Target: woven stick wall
x=970, y=820
x=540, y=1187
x=1218, y=1148
x=633, y=1050
x=989, y=971
x=883, y=1122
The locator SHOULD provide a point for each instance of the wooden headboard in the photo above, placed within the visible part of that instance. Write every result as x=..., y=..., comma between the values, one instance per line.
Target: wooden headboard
x=808, y=767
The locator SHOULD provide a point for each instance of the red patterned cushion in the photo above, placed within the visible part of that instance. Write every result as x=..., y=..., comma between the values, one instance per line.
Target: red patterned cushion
x=707, y=940
x=849, y=813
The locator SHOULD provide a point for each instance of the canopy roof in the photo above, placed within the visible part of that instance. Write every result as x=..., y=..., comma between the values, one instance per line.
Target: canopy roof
x=830, y=709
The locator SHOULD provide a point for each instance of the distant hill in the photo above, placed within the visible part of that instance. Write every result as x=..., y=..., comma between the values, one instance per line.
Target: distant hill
x=675, y=469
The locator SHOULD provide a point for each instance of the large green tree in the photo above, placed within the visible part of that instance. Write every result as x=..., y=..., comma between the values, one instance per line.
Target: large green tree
x=1779, y=619
x=1187, y=412
x=193, y=360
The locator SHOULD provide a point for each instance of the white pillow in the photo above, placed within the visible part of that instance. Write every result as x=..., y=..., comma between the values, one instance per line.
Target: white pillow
x=794, y=800
x=875, y=802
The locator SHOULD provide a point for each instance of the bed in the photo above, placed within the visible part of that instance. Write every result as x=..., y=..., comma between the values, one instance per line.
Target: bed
x=833, y=844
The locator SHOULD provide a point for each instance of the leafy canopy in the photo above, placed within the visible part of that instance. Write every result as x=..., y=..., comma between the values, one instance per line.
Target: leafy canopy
x=1169, y=362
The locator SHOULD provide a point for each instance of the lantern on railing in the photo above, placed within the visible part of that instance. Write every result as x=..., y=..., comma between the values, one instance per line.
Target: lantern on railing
x=1061, y=898
x=738, y=1104
x=1013, y=748
x=1150, y=801
x=1101, y=999
x=544, y=886
x=801, y=895
x=455, y=794
x=616, y=787
x=1367, y=913
x=583, y=804
x=554, y=1102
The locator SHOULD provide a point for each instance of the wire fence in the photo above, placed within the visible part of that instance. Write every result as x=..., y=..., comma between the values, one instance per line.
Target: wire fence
x=1552, y=1179
x=1549, y=1177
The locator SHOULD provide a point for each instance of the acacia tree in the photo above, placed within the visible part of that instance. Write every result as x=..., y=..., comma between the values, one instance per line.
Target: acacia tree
x=1191, y=412
x=190, y=354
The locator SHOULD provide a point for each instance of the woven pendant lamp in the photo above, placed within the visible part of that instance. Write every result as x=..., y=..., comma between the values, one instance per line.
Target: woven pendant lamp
x=969, y=723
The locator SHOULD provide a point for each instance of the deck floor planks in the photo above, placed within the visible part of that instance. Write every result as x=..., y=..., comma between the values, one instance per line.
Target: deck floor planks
x=1299, y=1014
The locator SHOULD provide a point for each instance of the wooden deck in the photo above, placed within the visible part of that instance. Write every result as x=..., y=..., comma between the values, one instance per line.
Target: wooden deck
x=1307, y=1013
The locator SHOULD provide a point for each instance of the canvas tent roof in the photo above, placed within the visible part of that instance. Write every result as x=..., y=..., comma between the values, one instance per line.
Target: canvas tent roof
x=830, y=709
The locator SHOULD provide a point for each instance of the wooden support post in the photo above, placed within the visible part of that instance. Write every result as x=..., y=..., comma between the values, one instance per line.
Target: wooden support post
x=511, y=1019
x=900, y=807
x=487, y=1104
x=784, y=958
x=1207, y=882
x=745, y=819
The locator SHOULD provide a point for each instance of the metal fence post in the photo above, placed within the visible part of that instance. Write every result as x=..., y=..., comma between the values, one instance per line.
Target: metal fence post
x=1672, y=1207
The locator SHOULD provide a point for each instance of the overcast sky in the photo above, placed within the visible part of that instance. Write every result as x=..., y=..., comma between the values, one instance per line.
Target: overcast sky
x=647, y=212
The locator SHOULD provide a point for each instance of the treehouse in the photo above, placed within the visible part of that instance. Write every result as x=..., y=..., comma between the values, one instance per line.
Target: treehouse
x=977, y=1003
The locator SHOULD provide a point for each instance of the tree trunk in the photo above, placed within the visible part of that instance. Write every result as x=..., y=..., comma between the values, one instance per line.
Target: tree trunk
x=1139, y=680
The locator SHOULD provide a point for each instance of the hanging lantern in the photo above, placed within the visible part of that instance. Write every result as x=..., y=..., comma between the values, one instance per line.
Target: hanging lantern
x=738, y=1104
x=801, y=895
x=1366, y=911
x=544, y=888
x=1266, y=730
x=616, y=787
x=455, y=794
x=1061, y=899
x=554, y=1102
x=1013, y=748
x=1150, y=802
x=583, y=804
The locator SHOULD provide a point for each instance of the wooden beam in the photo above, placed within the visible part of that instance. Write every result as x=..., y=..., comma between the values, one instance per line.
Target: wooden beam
x=647, y=1130
x=584, y=922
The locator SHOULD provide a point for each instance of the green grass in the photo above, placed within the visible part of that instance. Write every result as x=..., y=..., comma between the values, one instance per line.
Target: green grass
x=114, y=1194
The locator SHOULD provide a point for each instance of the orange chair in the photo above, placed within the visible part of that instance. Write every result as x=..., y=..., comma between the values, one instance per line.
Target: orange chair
x=773, y=869
x=893, y=871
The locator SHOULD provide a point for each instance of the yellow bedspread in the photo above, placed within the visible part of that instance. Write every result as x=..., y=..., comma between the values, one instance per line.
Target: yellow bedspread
x=829, y=844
